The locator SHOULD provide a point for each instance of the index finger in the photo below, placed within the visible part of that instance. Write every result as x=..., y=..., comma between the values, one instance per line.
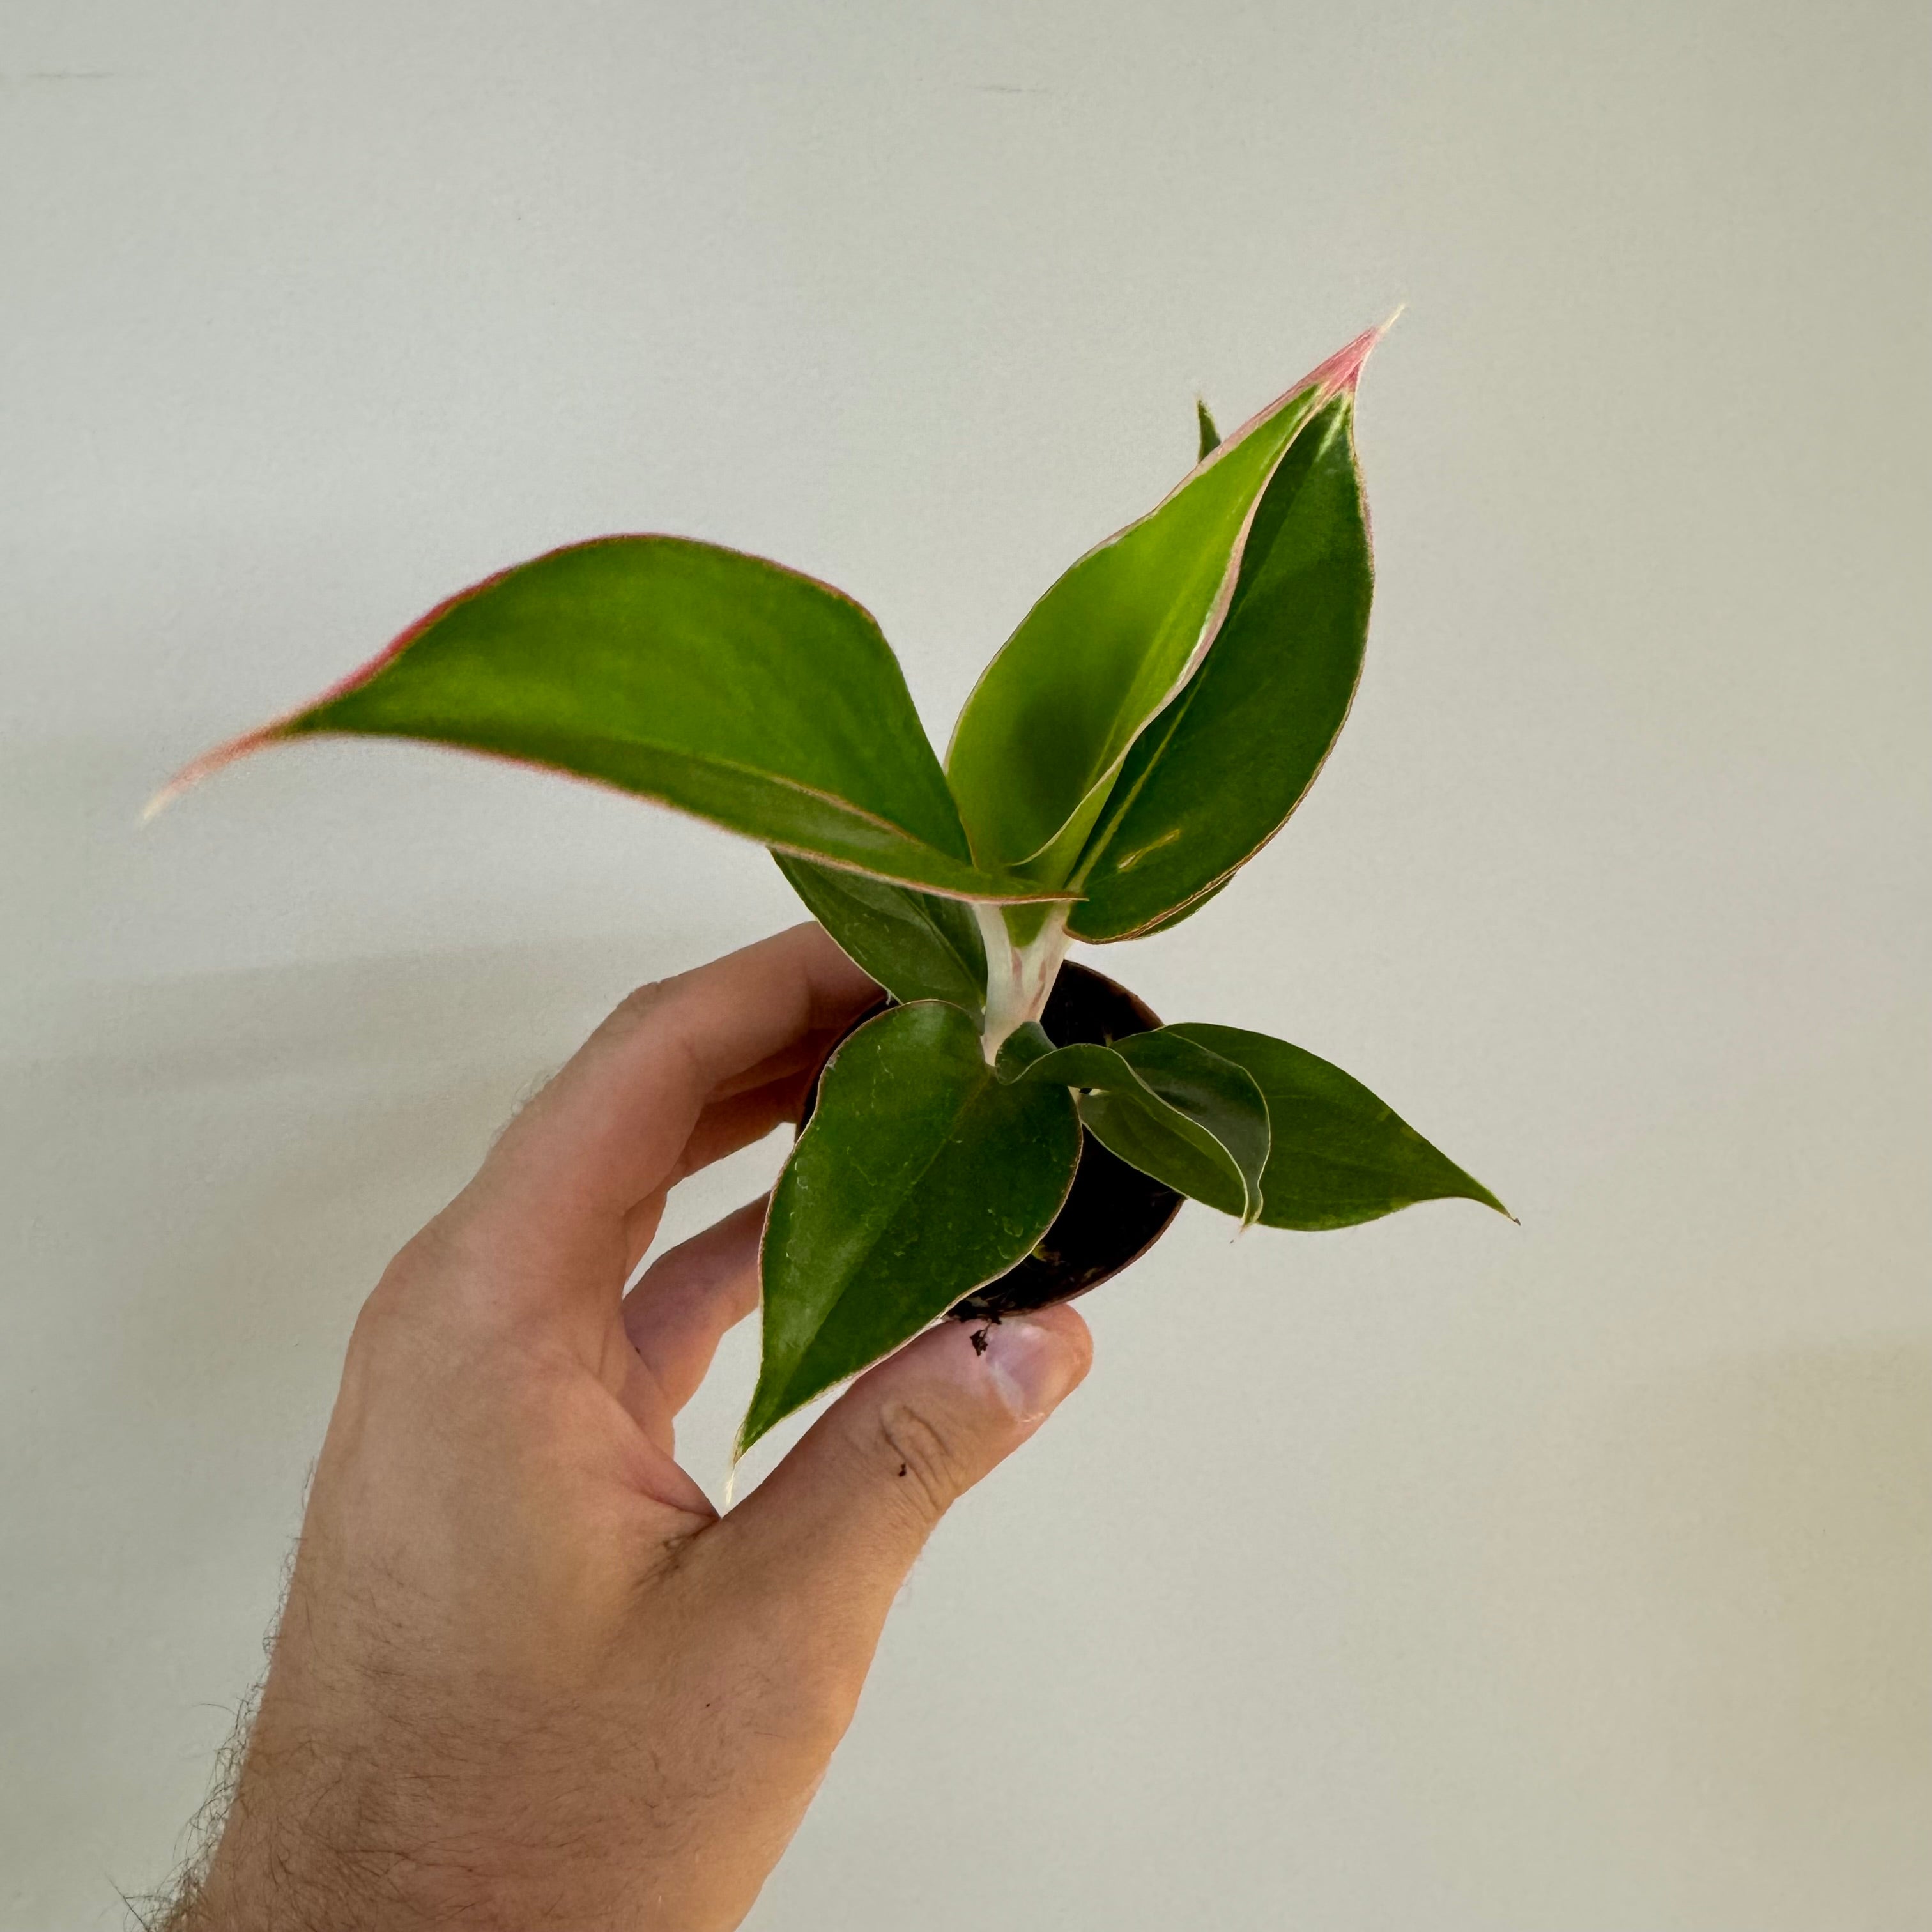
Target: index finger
x=609, y=1129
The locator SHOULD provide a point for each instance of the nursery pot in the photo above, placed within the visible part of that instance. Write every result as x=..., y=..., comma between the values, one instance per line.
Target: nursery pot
x=1113, y=1213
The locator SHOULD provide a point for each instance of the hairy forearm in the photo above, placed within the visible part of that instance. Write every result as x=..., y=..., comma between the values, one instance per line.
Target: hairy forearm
x=272, y=1860
x=315, y=1836
x=291, y=1859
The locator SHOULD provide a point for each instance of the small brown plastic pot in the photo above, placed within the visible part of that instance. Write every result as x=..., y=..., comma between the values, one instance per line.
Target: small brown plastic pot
x=1113, y=1213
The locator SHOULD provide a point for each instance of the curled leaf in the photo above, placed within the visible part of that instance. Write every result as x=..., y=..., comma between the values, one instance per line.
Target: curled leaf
x=1168, y=1106
x=1339, y=1155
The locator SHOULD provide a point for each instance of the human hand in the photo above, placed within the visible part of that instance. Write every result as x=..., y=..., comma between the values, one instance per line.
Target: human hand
x=526, y=1675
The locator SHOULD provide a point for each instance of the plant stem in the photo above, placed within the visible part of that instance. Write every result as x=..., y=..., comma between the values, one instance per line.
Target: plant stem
x=1019, y=978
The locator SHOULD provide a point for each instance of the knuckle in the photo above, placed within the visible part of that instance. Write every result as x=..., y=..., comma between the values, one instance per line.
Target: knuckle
x=429, y=1286
x=375, y=1321
x=925, y=1459
x=656, y=1005
x=640, y=1000
x=425, y=1265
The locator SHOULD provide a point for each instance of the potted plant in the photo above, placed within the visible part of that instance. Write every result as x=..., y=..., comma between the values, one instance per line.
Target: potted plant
x=1006, y=1128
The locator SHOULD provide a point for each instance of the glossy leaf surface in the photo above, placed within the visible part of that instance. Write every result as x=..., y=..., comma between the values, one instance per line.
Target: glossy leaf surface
x=1041, y=739
x=1338, y=1155
x=713, y=682
x=1171, y=1107
x=1215, y=776
x=921, y=1176
x=916, y=945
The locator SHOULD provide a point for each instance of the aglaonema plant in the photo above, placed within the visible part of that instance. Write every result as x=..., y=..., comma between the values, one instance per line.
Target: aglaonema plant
x=1006, y=1128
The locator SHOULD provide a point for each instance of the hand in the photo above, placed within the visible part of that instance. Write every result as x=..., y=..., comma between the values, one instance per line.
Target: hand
x=526, y=1677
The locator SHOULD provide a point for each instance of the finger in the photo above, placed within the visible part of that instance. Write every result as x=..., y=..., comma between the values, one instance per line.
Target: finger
x=687, y=1299
x=727, y=1125
x=800, y=1057
x=722, y=1129
x=836, y=1526
x=609, y=1129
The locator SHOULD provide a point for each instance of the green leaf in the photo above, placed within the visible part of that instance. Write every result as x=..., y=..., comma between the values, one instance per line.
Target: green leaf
x=1210, y=437
x=921, y=1177
x=1338, y=1156
x=1216, y=776
x=1187, y=911
x=1027, y=1043
x=1042, y=738
x=916, y=945
x=1168, y=1106
x=717, y=683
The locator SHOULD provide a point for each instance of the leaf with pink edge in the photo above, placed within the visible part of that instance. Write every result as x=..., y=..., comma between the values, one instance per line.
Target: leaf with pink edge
x=1042, y=737
x=719, y=684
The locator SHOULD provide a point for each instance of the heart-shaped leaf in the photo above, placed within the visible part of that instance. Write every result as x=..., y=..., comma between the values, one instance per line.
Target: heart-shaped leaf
x=1338, y=1155
x=1041, y=740
x=921, y=1176
x=916, y=945
x=1216, y=776
x=717, y=683
x=1167, y=1105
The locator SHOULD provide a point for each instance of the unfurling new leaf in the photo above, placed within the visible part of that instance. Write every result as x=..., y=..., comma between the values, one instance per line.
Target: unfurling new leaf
x=1210, y=437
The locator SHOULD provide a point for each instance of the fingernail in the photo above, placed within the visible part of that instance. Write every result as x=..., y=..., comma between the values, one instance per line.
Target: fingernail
x=1030, y=1364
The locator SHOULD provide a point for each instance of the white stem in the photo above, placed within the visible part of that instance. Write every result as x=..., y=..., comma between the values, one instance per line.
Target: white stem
x=1019, y=978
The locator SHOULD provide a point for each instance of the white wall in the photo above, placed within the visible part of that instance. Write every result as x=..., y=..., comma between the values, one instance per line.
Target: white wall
x=1575, y=1579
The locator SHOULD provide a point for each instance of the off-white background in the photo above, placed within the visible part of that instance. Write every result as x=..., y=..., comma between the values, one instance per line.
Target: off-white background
x=1573, y=1579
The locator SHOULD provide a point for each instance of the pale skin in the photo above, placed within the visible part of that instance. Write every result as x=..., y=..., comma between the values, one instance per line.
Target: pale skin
x=527, y=1676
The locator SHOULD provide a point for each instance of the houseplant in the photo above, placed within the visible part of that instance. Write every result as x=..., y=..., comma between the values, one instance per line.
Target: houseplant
x=1152, y=723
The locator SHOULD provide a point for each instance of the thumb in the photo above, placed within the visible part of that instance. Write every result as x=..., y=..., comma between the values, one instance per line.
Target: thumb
x=836, y=1526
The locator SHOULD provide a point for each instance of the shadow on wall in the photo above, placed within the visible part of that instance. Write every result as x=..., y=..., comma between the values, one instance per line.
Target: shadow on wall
x=204, y=1176
x=211, y=1171
x=486, y=1006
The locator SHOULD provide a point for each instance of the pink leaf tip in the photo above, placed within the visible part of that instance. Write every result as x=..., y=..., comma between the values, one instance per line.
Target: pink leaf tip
x=1343, y=370
x=208, y=762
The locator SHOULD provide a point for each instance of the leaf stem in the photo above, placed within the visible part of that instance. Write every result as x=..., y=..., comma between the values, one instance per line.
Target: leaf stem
x=1019, y=978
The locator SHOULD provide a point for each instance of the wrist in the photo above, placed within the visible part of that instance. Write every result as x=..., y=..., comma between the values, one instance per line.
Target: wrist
x=251, y=1882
